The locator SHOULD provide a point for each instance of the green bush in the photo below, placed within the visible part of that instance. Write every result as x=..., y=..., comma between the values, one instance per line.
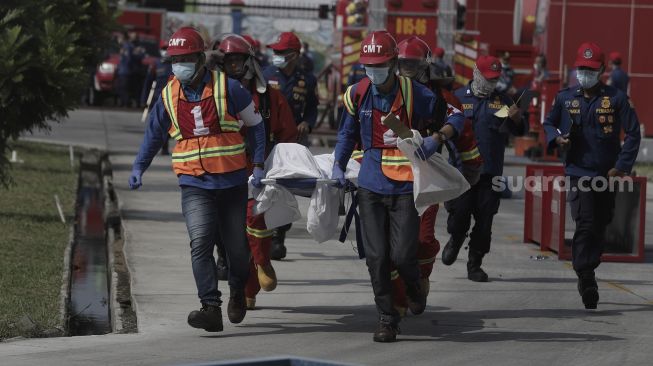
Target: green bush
x=47, y=48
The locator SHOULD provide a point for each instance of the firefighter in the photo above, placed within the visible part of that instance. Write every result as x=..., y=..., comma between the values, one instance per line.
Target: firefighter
x=299, y=88
x=389, y=220
x=159, y=72
x=586, y=121
x=239, y=64
x=618, y=77
x=202, y=110
x=480, y=102
x=415, y=62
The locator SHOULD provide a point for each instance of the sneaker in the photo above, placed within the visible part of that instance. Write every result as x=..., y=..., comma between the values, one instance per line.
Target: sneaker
x=474, y=271
x=588, y=289
x=222, y=269
x=450, y=251
x=386, y=333
x=209, y=318
x=236, y=308
x=267, y=278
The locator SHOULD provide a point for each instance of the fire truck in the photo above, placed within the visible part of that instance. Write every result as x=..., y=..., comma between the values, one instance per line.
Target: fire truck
x=522, y=28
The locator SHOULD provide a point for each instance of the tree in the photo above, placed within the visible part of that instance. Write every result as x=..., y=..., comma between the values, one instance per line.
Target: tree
x=47, y=48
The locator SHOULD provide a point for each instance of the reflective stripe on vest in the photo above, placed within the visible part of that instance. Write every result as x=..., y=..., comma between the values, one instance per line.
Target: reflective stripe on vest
x=394, y=163
x=258, y=233
x=357, y=155
x=470, y=155
x=217, y=147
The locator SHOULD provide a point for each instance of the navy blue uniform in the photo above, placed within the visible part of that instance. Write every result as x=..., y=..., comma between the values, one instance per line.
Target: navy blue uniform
x=482, y=201
x=595, y=149
x=159, y=72
x=619, y=79
x=300, y=91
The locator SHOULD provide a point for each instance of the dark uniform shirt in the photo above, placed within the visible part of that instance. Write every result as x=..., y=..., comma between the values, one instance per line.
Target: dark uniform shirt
x=619, y=79
x=491, y=131
x=299, y=89
x=595, y=141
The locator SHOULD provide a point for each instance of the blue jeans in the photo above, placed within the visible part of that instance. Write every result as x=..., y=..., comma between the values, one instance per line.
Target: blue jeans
x=212, y=216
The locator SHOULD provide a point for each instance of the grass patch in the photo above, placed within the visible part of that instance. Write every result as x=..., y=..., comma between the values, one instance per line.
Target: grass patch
x=33, y=239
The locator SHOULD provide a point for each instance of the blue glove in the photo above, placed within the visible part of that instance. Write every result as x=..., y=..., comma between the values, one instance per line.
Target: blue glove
x=135, y=179
x=428, y=147
x=338, y=175
x=257, y=175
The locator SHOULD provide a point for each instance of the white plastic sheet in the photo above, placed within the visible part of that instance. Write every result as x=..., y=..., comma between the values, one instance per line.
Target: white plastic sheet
x=435, y=180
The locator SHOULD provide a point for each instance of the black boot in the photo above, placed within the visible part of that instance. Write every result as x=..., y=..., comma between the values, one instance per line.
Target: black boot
x=278, y=249
x=209, y=318
x=237, y=308
x=588, y=289
x=386, y=333
x=474, y=270
x=222, y=269
x=450, y=251
x=416, y=298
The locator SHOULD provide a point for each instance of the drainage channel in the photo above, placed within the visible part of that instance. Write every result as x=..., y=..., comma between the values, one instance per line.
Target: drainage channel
x=89, y=310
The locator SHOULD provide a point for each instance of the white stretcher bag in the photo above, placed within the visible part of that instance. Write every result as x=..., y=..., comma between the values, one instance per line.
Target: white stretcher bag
x=279, y=205
x=435, y=180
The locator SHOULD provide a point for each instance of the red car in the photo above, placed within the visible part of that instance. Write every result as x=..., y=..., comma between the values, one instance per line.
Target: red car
x=104, y=78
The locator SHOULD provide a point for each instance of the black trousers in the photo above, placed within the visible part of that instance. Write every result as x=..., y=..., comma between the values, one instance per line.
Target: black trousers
x=592, y=211
x=482, y=202
x=390, y=226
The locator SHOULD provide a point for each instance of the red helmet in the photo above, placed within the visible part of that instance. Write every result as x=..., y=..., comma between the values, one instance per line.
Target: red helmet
x=378, y=47
x=413, y=48
x=185, y=41
x=233, y=43
x=256, y=44
x=438, y=52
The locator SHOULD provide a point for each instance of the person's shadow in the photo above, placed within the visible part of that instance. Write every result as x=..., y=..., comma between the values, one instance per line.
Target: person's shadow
x=437, y=323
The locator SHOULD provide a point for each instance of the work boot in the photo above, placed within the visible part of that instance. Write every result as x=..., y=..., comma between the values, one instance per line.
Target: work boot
x=386, y=333
x=222, y=269
x=474, y=270
x=236, y=309
x=209, y=318
x=416, y=298
x=450, y=251
x=278, y=249
x=250, y=303
x=425, y=284
x=267, y=278
x=588, y=289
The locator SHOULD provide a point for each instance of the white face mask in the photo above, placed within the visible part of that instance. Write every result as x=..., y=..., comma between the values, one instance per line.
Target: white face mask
x=184, y=71
x=587, y=78
x=378, y=75
x=163, y=53
x=279, y=61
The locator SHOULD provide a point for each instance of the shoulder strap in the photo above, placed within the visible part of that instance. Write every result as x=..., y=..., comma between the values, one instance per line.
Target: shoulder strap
x=352, y=104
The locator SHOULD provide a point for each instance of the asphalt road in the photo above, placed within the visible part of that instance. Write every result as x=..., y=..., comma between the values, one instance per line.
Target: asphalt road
x=530, y=312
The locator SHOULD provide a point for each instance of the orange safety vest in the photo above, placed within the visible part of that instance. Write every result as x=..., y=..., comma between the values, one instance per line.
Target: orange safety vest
x=208, y=138
x=394, y=163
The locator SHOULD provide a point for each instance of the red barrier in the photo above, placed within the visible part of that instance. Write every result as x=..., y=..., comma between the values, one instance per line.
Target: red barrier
x=547, y=220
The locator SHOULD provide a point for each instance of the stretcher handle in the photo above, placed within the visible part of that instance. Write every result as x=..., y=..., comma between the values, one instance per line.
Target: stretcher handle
x=318, y=180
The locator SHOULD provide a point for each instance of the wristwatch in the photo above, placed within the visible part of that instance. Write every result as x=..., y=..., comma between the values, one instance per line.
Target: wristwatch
x=257, y=165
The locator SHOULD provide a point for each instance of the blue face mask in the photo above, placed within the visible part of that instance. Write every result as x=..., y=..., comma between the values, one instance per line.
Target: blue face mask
x=184, y=71
x=587, y=78
x=378, y=75
x=279, y=61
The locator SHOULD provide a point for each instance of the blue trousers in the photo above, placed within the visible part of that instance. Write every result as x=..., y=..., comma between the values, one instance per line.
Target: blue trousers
x=213, y=216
